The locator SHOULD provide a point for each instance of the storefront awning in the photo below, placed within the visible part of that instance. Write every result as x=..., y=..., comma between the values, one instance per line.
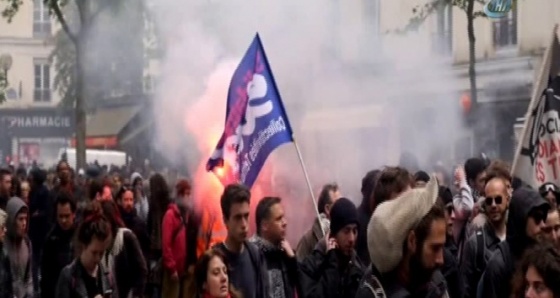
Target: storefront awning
x=135, y=132
x=109, y=122
x=98, y=142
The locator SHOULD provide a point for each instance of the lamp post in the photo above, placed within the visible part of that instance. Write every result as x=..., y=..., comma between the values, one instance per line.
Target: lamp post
x=5, y=65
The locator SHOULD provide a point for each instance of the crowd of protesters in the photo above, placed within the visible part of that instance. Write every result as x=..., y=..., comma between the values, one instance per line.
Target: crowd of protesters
x=106, y=232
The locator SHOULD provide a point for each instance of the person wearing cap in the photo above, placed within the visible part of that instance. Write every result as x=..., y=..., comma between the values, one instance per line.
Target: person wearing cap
x=421, y=178
x=333, y=268
x=526, y=219
x=406, y=240
x=5, y=271
x=551, y=193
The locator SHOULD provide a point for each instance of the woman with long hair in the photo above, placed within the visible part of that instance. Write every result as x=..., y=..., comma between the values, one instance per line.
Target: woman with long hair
x=158, y=201
x=538, y=275
x=124, y=256
x=211, y=278
x=85, y=277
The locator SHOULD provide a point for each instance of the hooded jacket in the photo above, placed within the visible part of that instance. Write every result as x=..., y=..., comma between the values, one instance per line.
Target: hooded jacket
x=18, y=250
x=323, y=275
x=5, y=271
x=496, y=279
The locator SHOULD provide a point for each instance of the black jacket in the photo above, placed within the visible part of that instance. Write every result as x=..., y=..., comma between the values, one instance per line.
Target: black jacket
x=497, y=277
x=57, y=253
x=475, y=260
x=39, y=212
x=452, y=274
x=281, y=269
x=128, y=264
x=71, y=282
x=6, y=290
x=133, y=222
x=259, y=264
x=323, y=275
x=364, y=215
x=437, y=288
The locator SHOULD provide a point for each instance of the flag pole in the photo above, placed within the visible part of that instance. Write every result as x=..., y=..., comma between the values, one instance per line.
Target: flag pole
x=293, y=137
x=533, y=101
x=308, y=183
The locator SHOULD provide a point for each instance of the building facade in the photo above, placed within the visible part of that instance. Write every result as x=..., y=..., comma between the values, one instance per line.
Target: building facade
x=33, y=128
x=508, y=55
x=28, y=40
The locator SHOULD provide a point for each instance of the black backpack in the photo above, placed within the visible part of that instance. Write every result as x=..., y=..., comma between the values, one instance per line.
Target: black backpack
x=480, y=252
x=372, y=284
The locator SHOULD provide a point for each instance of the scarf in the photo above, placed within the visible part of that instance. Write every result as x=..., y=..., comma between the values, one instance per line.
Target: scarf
x=276, y=279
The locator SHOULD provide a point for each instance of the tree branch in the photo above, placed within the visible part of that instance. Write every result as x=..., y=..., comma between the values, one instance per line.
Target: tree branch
x=53, y=4
x=100, y=9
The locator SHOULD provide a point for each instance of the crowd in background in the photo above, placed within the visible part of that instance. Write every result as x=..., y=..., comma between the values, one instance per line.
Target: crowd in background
x=109, y=232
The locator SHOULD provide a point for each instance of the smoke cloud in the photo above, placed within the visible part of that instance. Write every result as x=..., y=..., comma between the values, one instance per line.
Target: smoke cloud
x=356, y=100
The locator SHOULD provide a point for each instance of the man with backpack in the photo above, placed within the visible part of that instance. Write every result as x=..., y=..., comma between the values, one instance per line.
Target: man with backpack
x=526, y=218
x=480, y=246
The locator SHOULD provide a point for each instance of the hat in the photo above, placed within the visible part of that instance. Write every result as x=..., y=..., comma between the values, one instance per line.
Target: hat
x=3, y=218
x=391, y=222
x=422, y=176
x=343, y=213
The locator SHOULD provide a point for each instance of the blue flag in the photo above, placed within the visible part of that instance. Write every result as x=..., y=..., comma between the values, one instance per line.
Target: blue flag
x=256, y=121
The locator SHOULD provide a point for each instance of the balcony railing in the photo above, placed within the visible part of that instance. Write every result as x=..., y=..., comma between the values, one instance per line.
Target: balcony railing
x=505, y=33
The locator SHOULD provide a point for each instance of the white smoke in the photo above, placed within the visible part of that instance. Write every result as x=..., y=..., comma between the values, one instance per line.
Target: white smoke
x=355, y=101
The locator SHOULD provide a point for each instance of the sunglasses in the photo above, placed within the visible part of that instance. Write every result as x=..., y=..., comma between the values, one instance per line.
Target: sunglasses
x=498, y=200
x=548, y=188
x=449, y=208
x=538, y=215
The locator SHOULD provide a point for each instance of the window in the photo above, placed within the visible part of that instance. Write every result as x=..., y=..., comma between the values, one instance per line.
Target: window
x=372, y=14
x=42, y=85
x=505, y=31
x=41, y=19
x=442, y=40
x=148, y=84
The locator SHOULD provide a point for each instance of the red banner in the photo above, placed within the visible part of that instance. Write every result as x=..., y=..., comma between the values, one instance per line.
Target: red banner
x=99, y=142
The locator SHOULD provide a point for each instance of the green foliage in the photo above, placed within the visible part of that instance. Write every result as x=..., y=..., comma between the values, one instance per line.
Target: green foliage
x=102, y=25
x=421, y=12
x=11, y=9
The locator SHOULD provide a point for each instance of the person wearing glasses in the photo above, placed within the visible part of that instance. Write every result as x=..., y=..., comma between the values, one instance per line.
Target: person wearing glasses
x=484, y=241
x=551, y=193
x=526, y=219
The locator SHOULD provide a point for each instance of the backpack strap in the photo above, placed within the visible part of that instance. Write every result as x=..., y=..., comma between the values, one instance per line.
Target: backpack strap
x=183, y=223
x=372, y=283
x=480, y=250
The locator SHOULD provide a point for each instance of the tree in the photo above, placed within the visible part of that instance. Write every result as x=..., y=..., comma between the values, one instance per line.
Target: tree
x=111, y=69
x=71, y=58
x=421, y=13
x=3, y=86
